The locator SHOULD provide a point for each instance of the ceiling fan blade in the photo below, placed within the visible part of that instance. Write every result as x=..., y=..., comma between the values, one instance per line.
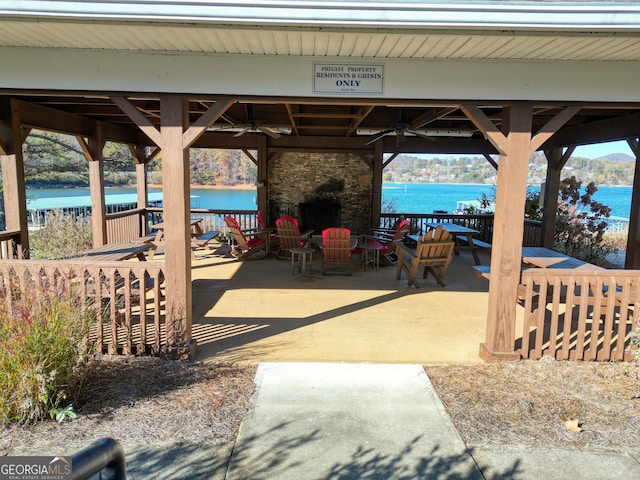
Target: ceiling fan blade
x=421, y=135
x=268, y=131
x=379, y=136
x=242, y=132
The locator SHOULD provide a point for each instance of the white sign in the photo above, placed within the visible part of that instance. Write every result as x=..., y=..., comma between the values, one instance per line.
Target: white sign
x=348, y=78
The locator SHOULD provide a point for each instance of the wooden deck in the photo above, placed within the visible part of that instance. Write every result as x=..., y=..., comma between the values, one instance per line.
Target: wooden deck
x=366, y=317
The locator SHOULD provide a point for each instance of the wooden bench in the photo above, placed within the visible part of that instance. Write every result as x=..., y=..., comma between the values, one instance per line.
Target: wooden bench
x=147, y=238
x=482, y=244
x=482, y=271
x=476, y=243
x=204, y=239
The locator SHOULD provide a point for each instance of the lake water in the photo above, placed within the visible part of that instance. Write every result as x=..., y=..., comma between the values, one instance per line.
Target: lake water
x=406, y=198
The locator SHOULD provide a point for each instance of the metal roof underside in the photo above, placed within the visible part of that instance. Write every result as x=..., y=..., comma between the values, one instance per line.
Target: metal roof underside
x=538, y=31
x=242, y=41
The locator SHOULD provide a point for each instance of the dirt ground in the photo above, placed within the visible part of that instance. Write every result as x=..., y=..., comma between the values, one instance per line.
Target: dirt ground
x=148, y=401
x=534, y=402
x=145, y=401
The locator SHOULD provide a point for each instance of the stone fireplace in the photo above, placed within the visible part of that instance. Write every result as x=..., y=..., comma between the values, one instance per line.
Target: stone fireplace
x=321, y=189
x=318, y=215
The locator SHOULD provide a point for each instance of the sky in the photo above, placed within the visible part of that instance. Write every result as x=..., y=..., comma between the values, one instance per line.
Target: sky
x=586, y=151
x=601, y=149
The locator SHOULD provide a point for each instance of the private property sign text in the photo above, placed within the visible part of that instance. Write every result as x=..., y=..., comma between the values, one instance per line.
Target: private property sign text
x=348, y=78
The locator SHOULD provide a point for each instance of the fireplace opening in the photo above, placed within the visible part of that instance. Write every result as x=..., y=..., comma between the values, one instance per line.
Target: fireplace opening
x=319, y=215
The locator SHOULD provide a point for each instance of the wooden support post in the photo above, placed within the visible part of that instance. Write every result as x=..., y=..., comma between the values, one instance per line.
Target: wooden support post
x=98, y=204
x=508, y=229
x=632, y=259
x=376, y=184
x=263, y=176
x=556, y=161
x=142, y=188
x=93, y=153
x=14, y=190
x=175, y=181
x=515, y=146
x=176, y=136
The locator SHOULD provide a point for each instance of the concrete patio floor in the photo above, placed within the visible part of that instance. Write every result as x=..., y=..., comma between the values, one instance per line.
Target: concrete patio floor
x=257, y=311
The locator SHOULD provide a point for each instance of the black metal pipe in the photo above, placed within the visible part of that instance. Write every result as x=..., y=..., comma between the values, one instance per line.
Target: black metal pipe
x=104, y=453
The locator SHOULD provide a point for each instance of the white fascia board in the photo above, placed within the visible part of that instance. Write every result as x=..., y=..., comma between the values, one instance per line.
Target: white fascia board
x=235, y=75
x=549, y=16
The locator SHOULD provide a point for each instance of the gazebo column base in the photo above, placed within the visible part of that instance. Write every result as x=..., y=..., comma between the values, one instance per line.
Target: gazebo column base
x=488, y=355
x=184, y=353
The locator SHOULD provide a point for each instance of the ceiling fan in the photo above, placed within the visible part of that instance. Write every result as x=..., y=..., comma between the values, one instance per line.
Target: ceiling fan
x=256, y=127
x=400, y=130
x=253, y=126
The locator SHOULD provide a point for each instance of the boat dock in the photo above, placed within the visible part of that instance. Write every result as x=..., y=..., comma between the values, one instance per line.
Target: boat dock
x=39, y=209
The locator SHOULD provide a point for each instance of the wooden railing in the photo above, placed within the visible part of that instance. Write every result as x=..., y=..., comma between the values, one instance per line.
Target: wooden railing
x=483, y=223
x=127, y=297
x=10, y=244
x=579, y=315
x=532, y=233
x=212, y=219
x=130, y=225
x=125, y=226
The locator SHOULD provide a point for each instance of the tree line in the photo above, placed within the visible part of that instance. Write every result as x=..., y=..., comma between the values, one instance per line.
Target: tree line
x=476, y=169
x=54, y=160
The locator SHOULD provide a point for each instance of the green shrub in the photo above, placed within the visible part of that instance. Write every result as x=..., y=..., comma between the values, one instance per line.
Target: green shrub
x=44, y=338
x=64, y=236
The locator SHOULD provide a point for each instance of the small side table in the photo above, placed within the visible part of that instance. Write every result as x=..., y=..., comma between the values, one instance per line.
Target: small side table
x=303, y=257
x=370, y=255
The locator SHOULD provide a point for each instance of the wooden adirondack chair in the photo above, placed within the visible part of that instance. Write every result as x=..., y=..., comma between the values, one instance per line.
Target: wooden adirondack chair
x=289, y=235
x=245, y=244
x=386, y=239
x=433, y=251
x=336, y=248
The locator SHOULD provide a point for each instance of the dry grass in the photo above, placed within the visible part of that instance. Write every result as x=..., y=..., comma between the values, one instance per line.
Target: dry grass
x=148, y=401
x=527, y=403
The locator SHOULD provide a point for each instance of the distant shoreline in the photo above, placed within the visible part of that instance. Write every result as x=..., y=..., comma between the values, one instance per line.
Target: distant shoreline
x=253, y=187
x=244, y=186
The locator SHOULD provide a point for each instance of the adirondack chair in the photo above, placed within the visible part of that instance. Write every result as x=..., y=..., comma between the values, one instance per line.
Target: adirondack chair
x=386, y=239
x=433, y=251
x=246, y=244
x=289, y=235
x=336, y=248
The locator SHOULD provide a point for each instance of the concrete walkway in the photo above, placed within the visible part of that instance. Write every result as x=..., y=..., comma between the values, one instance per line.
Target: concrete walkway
x=347, y=421
x=341, y=393
x=344, y=421
x=373, y=421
